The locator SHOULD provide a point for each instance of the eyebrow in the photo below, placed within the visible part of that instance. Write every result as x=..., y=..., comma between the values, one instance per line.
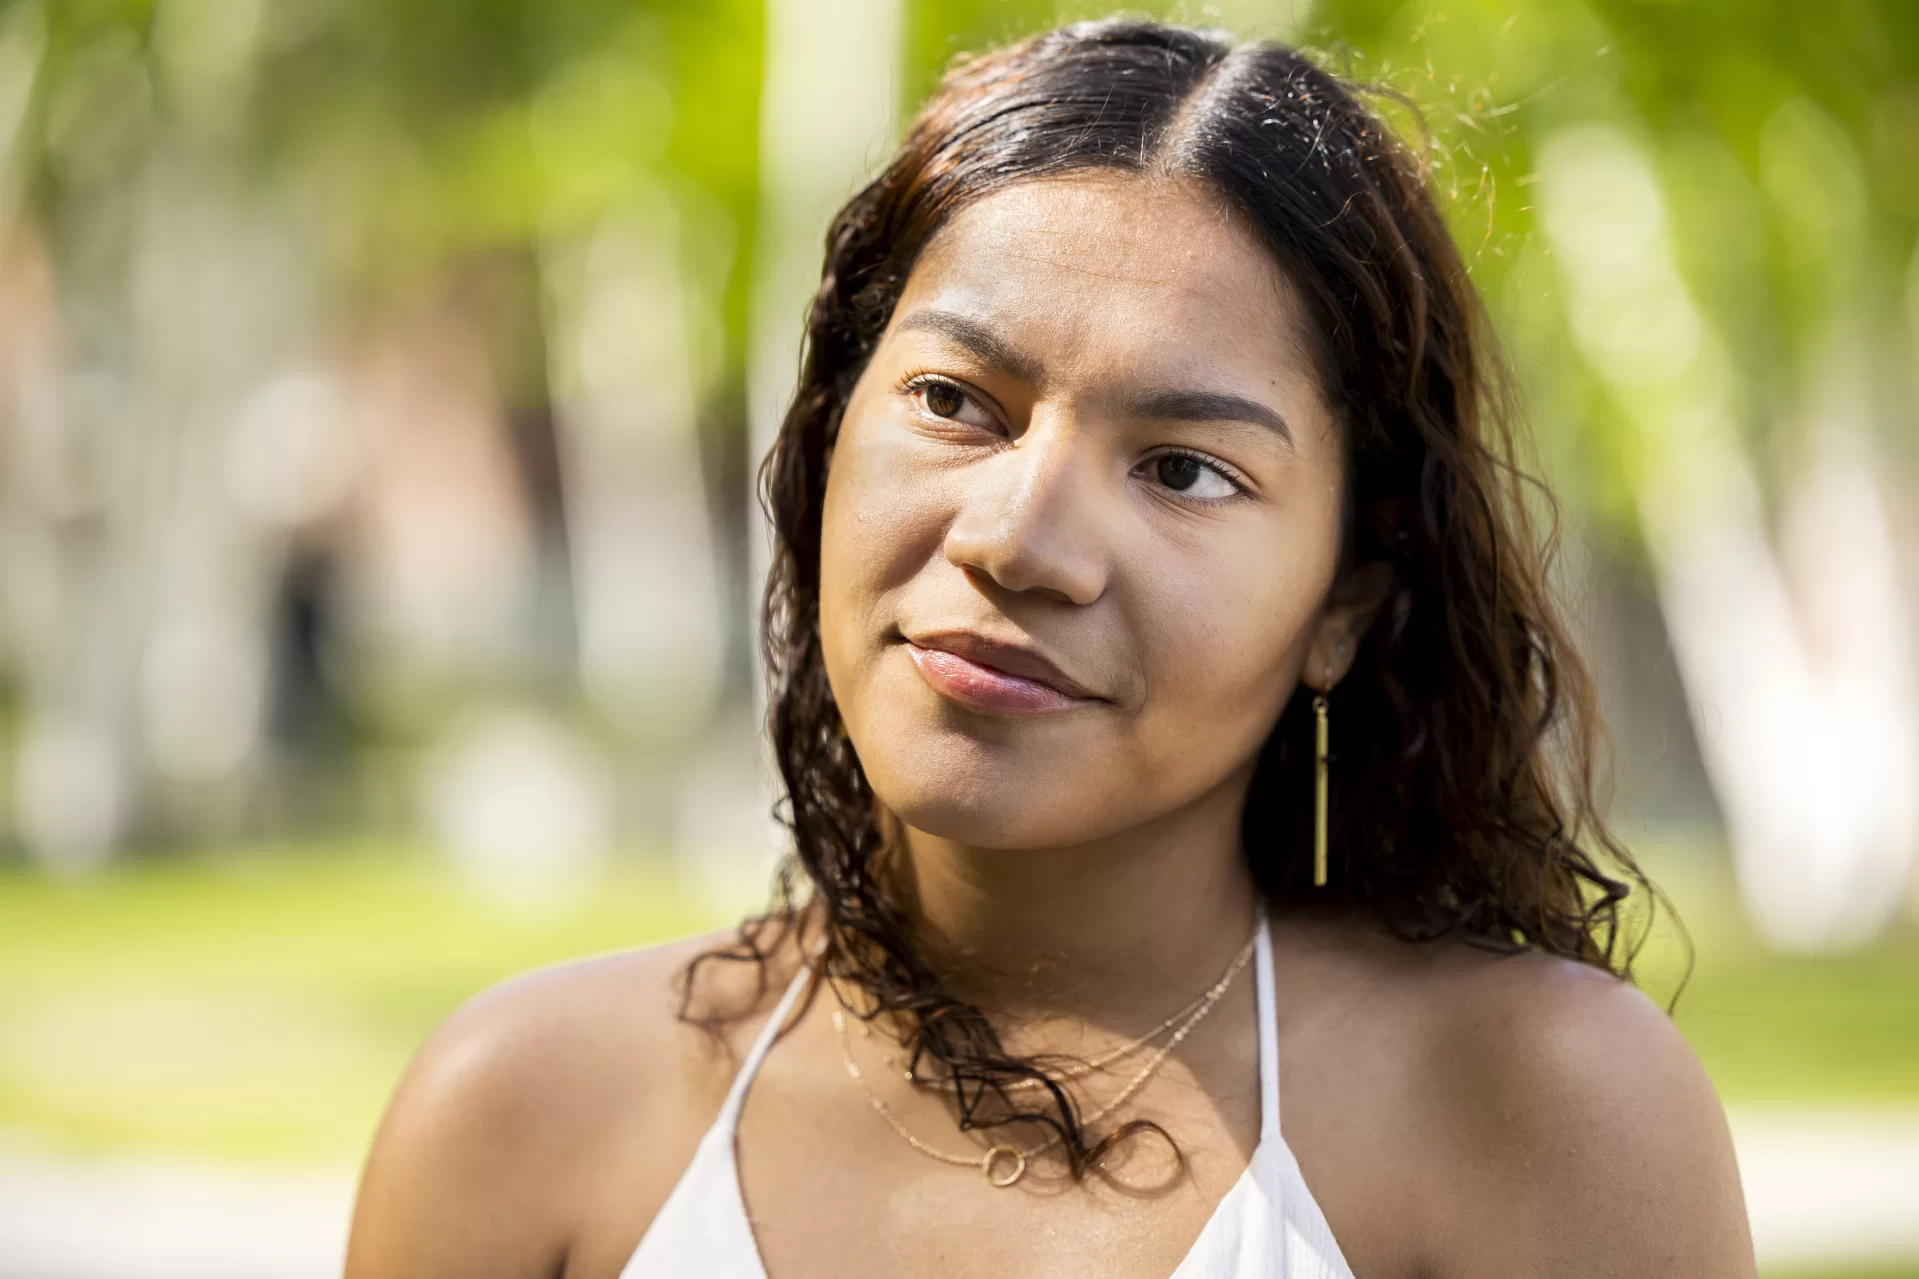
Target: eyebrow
x=1165, y=405
x=1205, y=406
x=975, y=337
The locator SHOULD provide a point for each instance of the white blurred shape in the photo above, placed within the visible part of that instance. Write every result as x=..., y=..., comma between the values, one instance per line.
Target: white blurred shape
x=652, y=644
x=202, y=683
x=1843, y=566
x=820, y=137
x=70, y=793
x=725, y=840
x=1805, y=709
x=523, y=807
x=1830, y=1188
x=292, y=453
x=444, y=551
x=57, y=445
x=67, y=1218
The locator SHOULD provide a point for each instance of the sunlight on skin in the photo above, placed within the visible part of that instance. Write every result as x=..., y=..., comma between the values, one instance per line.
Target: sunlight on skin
x=1115, y=455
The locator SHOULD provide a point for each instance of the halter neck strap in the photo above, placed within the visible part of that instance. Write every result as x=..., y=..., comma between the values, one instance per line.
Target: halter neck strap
x=1263, y=992
x=729, y=1117
x=1268, y=1031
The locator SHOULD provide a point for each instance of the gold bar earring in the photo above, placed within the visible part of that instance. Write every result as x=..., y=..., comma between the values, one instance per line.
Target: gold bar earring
x=1319, y=793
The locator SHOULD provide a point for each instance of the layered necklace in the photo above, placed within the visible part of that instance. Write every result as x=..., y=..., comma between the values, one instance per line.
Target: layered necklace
x=1002, y=1163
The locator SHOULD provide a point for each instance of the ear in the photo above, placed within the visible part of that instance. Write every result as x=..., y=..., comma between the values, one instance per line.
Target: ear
x=1351, y=605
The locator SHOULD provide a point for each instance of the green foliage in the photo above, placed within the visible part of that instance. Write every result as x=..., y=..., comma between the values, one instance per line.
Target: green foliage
x=1784, y=143
x=421, y=132
x=940, y=31
x=1786, y=138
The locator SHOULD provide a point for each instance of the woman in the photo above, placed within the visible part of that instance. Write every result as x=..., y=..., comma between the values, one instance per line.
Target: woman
x=1147, y=442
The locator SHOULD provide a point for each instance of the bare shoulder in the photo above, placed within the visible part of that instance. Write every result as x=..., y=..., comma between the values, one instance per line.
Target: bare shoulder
x=533, y=1099
x=1586, y=1137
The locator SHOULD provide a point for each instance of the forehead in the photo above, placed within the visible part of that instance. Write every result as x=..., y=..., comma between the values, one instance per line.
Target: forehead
x=1161, y=273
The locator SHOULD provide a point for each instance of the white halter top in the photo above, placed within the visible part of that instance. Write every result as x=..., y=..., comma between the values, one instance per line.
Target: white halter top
x=1266, y=1227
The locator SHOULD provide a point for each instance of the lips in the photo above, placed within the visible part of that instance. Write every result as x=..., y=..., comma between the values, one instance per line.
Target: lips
x=994, y=678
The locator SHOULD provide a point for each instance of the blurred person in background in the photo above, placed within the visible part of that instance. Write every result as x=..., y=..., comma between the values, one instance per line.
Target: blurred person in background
x=1173, y=719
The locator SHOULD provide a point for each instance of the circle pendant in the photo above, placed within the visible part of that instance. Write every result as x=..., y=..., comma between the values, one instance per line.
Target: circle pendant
x=992, y=1162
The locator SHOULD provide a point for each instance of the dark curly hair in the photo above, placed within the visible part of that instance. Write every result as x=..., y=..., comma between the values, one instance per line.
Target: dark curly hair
x=1465, y=803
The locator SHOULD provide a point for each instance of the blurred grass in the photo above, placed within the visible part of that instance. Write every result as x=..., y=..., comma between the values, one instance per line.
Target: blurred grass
x=1775, y=1028
x=260, y=1007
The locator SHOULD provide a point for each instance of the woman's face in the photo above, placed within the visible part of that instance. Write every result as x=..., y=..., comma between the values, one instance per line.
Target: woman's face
x=1082, y=517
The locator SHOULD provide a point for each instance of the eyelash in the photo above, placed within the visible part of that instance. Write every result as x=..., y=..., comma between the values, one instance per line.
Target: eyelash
x=1211, y=463
x=913, y=383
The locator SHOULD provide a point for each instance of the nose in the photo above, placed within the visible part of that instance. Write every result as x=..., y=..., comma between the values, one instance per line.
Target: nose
x=1029, y=521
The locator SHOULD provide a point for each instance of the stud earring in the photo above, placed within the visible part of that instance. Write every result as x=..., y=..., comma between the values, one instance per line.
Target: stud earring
x=1319, y=790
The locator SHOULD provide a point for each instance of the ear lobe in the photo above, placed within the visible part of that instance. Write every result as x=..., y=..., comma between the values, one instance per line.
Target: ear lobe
x=1351, y=606
x=1365, y=591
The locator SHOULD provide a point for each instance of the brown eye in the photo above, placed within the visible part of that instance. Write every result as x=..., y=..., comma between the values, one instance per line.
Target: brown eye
x=943, y=399
x=950, y=402
x=1193, y=476
x=1179, y=472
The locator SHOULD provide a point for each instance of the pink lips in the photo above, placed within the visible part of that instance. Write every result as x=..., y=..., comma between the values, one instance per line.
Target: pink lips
x=987, y=689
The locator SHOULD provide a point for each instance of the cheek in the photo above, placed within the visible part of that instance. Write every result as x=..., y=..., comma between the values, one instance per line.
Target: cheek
x=1221, y=639
x=883, y=519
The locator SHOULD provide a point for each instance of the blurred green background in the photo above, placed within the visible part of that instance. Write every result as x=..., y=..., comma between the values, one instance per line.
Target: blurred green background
x=380, y=386
x=260, y=1007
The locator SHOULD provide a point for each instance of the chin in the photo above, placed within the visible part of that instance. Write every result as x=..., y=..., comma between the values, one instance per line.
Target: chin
x=982, y=822
x=991, y=795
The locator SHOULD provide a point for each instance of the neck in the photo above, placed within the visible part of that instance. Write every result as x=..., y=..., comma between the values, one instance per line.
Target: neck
x=1105, y=931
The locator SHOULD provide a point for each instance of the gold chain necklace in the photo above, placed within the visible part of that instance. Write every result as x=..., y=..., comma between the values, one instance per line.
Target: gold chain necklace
x=1080, y=1069
x=993, y=1161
